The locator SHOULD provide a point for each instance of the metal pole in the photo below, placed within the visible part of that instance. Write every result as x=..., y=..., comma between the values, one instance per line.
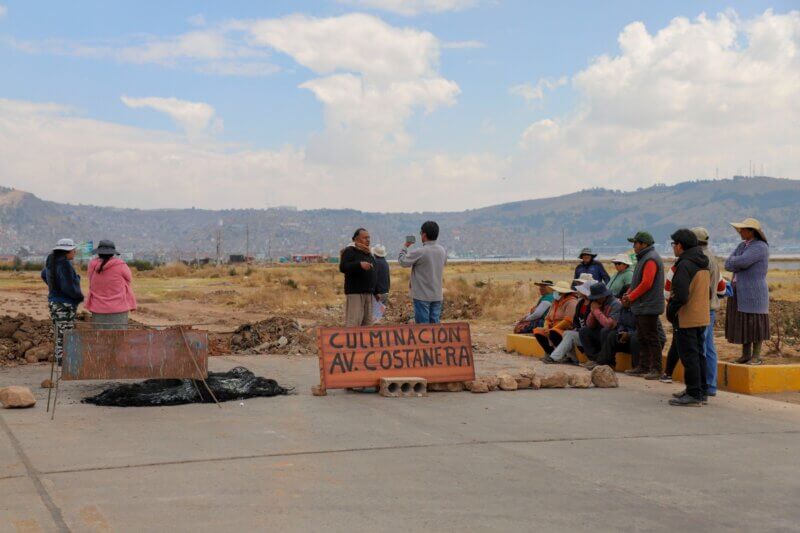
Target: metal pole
x=563, y=244
x=199, y=372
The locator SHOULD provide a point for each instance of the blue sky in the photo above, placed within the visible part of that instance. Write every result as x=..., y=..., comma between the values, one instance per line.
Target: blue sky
x=473, y=133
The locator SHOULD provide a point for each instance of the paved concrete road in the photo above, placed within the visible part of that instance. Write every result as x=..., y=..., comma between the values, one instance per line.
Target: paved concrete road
x=548, y=460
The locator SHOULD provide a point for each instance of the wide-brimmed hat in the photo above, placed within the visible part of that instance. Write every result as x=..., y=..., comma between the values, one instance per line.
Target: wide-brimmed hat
x=585, y=287
x=379, y=250
x=583, y=278
x=66, y=245
x=562, y=287
x=544, y=283
x=624, y=259
x=598, y=290
x=106, y=247
x=701, y=233
x=643, y=236
x=753, y=224
x=586, y=251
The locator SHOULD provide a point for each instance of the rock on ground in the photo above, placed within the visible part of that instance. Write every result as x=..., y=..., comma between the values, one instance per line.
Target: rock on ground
x=15, y=396
x=507, y=382
x=556, y=380
x=523, y=382
x=580, y=381
x=604, y=376
x=479, y=386
x=47, y=384
x=492, y=382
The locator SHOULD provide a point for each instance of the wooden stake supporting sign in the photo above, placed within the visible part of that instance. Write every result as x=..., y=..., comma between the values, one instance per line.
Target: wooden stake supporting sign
x=360, y=357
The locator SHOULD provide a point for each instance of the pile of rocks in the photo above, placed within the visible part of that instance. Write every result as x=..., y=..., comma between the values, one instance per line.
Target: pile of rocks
x=527, y=378
x=25, y=340
x=275, y=335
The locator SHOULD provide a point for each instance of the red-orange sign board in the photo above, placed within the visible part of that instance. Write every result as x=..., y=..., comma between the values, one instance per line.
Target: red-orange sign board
x=361, y=356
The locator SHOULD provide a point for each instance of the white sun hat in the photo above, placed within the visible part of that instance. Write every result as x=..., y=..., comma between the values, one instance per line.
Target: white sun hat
x=65, y=244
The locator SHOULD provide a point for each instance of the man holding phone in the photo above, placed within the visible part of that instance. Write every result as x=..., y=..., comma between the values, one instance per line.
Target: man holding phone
x=427, y=268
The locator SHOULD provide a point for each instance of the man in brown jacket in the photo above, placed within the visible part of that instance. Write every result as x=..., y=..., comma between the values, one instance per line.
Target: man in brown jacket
x=689, y=312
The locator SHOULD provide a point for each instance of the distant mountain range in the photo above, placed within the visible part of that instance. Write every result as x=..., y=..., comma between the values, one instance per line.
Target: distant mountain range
x=600, y=218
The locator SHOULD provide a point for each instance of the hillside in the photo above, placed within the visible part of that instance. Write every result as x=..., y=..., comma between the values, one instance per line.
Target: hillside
x=601, y=218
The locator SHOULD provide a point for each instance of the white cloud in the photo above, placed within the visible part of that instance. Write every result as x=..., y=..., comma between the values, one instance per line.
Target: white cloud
x=375, y=77
x=413, y=7
x=536, y=92
x=194, y=117
x=460, y=45
x=219, y=50
x=677, y=104
x=46, y=149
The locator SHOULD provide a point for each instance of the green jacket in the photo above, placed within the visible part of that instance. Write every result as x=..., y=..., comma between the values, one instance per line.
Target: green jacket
x=619, y=280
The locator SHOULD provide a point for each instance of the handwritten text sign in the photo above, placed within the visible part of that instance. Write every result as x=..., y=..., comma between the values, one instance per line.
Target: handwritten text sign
x=360, y=357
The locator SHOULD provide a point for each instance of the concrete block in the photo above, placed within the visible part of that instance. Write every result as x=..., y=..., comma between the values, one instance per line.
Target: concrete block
x=403, y=387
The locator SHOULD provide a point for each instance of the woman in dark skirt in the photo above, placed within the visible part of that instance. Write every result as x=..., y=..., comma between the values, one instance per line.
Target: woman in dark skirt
x=747, y=320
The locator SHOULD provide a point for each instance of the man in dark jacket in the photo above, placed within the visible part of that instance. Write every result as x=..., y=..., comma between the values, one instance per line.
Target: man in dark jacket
x=646, y=299
x=590, y=265
x=689, y=312
x=358, y=266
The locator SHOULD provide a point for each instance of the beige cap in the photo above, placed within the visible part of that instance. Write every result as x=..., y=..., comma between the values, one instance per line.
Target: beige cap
x=701, y=233
x=753, y=224
x=562, y=287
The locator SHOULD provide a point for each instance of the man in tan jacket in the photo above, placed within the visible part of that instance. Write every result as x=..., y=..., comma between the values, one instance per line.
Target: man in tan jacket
x=689, y=312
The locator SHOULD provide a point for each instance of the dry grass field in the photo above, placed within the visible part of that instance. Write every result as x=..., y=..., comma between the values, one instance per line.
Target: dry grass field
x=491, y=296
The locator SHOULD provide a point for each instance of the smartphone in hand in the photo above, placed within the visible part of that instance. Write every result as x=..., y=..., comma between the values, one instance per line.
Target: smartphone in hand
x=411, y=239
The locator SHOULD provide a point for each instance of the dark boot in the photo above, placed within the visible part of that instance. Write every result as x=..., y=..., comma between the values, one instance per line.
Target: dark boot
x=747, y=354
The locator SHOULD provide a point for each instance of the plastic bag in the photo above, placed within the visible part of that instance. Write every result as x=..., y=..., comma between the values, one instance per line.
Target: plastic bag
x=236, y=384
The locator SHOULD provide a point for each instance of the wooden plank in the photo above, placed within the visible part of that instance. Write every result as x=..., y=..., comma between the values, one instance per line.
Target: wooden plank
x=134, y=354
x=360, y=357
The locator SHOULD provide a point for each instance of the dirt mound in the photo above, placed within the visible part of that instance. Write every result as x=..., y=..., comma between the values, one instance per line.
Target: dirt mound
x=458, y=307
x=276, y=335
x=23, y=337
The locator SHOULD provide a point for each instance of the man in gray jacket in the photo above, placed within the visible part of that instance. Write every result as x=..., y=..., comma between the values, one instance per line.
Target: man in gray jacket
x=427, y=267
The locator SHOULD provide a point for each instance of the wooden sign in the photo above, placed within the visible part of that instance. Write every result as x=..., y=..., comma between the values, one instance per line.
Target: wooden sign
x=135, y=354
x=360, y=357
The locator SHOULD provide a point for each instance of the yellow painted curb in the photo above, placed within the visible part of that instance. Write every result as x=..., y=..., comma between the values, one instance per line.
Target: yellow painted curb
x=744, y=379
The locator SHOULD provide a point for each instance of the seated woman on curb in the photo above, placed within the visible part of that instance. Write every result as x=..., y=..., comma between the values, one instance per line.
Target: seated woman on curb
x=535, y=318
x=565, y=350
x=558, y=319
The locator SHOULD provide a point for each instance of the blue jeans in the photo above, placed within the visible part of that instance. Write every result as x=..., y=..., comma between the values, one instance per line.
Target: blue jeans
x=427, y=312
x=710, y=352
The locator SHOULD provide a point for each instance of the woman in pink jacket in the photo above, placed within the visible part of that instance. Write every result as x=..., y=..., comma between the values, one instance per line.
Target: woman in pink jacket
x=110, y=294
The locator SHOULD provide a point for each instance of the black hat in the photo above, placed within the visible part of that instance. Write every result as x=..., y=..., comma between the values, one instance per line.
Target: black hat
x=685, y=237
x=598, y=290
x=106, y=248
x=586, y=251
x=544, y=283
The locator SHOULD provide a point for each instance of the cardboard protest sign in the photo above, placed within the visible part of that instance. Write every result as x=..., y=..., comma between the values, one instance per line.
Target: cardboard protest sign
x=360, y=357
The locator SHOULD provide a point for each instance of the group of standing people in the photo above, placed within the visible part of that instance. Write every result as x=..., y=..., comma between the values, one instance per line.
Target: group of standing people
x=367, y=279
x=602, y=315
x=110, y=297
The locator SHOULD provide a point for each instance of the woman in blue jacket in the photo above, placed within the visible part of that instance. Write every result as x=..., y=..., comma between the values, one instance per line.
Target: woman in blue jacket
x=747, y=317
x=64, y=292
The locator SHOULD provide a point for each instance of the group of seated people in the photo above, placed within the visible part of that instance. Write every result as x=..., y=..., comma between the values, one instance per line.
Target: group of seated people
x=586, y=314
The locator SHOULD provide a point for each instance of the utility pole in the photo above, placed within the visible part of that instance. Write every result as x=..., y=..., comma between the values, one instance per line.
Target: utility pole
x=563, y=244
x=219, y=243
x=247, y=243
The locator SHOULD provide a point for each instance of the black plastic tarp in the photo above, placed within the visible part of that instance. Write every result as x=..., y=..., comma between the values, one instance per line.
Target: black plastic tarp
x=236, y=384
